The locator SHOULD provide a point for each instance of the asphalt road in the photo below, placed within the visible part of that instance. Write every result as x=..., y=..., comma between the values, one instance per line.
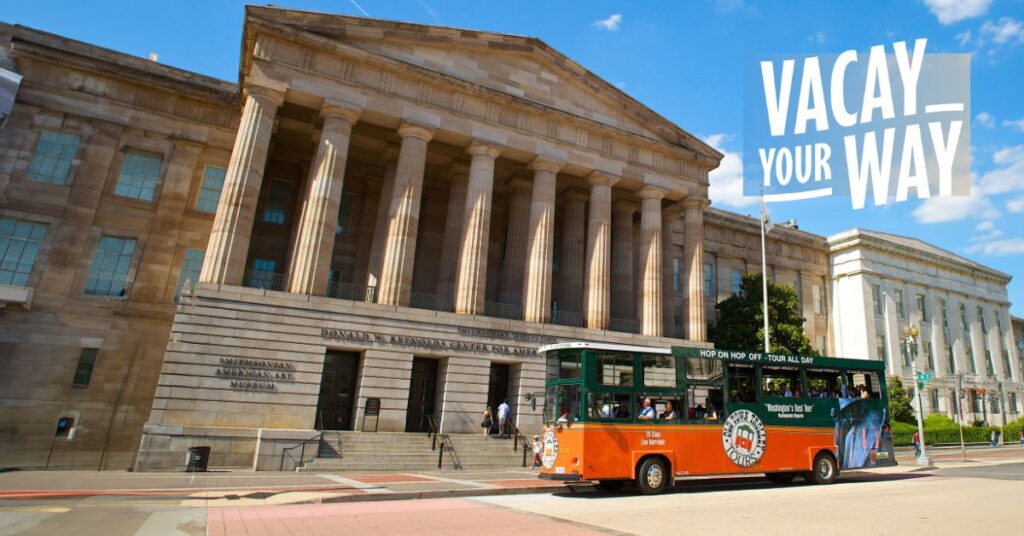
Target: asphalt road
x=960, y=498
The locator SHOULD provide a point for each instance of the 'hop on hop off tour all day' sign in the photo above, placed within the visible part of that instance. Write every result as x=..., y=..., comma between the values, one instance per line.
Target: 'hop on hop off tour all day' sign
x=885, y=125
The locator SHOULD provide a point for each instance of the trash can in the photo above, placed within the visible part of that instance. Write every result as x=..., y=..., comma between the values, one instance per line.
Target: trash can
x=198, y=458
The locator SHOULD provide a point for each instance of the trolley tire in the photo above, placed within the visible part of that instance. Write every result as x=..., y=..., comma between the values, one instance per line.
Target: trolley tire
x=780, y=478
x=652, y=476
x=610, y=486
x=824, y=470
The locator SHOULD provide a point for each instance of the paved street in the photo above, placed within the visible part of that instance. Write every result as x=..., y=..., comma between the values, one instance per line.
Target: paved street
x=892, y=501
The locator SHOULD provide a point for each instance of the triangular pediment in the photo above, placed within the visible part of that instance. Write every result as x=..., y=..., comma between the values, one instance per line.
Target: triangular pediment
x=522, y=67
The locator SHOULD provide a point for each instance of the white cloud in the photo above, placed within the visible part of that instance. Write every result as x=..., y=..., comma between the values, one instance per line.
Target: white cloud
x=727, y=180
x=611, y=24
x=955, y=208
x=963, y=38
x=1007, y=246
x=1017, y=124
x=985, y=119
x=1015, y=205
x=1008, y=176
x=950, y=11
x=1005, y=31
x=985, y=226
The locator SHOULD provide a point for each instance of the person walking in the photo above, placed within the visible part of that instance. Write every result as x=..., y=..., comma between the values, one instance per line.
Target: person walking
x=503, y=411
x=487, y=422
x=537, y=448
x=917, y=444
x=1022, y=435
x=995, y=438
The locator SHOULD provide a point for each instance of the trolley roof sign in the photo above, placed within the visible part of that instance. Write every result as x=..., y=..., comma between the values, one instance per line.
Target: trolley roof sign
x=773, y=359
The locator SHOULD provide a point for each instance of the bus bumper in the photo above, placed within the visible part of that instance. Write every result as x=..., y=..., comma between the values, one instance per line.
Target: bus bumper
x=560, y=478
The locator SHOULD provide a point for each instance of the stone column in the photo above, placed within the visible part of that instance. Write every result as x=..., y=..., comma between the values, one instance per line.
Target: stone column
x=540, y=242
x=154, y=284
x=511, y=290
x=453, y=231
x=693, y=262
x=599, y=249
x=573, y=251
x=403, y=216
x=380, y=227
x=668, y=219
x=232, y=226
x=650, y=261
x=314, y=239
x=470, y=287
x=623, y=299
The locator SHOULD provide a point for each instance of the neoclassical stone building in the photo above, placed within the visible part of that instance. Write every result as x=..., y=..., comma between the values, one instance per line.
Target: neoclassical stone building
x=883, y=283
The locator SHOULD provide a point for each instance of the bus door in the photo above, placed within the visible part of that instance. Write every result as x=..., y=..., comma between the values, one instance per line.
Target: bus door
x=701, y=444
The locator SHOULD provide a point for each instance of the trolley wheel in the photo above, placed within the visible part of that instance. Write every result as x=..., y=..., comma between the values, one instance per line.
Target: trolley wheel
x=610, y=485
x=824, y=470
x=653, y=476
x=780, y=478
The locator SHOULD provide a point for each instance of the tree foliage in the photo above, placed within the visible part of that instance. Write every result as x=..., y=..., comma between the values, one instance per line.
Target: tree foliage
x=900, y=409
x=741, y=320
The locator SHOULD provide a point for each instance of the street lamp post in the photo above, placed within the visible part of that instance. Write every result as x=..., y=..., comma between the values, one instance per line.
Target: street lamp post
x=910, y=335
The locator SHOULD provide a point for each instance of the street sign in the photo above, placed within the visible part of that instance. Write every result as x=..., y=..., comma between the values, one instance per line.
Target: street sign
x=923, y=376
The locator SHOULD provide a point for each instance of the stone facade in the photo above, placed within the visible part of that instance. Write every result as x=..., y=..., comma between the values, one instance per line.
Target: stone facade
x=883, y=283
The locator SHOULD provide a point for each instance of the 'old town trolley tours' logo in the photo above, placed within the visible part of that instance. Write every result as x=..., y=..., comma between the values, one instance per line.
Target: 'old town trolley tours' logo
x=550, y=448
x=744, y=438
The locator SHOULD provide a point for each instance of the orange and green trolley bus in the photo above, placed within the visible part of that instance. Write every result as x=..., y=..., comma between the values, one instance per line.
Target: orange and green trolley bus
x=615, y=414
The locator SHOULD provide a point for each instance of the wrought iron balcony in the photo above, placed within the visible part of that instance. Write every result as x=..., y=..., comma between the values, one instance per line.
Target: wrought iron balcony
x=566, y=318
x=624, y=325
x=431, y=302
x=511, y=311
x=351, y=291
x=265, y=280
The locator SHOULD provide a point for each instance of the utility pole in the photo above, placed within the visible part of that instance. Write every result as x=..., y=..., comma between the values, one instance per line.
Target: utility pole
x=910, y=334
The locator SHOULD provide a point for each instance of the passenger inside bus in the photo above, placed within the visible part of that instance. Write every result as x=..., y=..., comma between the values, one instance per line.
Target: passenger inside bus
x=670, y=413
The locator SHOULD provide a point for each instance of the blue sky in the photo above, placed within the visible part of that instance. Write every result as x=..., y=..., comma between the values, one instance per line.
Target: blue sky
x=685, y=60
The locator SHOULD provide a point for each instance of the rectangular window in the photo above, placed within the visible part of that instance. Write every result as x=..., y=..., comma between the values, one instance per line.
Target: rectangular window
x=880, y=347
x=984, y=325
x=55, y=152
x=709, y=280
x=611, y=406
x=659, y=371
x=934, y=396
x=209, y=192
x=989, y=366
x=344, y=226
x=19, y=246
x=900, y=310
x=737, y=282
x=109, y=273
x=970, y=356
x=615, y=370
x=922, y=307
x=264, y=274
x=819, y=299
x=950, y=359
x=1013, y=403
x=699, y=368
x=275, y=204
x=705, y=402
x=83, y=372
x=994, y=403
x=741, y=384
x=926, y=349
x=1008, y=371
x=562, y=403
x=780, y=382
x=857, y=382
x=191, y=265
x=140, y=174
x=824, y=383
x=819, y=341
x=677, y=274
x=564, y=366
x=905, y=354
x=876, y=298
x=963, y=319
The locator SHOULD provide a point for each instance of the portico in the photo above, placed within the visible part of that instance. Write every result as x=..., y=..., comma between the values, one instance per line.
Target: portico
x=380, y=193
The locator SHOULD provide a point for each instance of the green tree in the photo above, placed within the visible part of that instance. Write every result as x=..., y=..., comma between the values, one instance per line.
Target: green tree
x=899, y=402
x=741, y=320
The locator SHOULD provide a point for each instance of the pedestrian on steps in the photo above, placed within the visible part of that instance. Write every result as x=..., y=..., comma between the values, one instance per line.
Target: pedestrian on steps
x=503, y=411
x=487, y=422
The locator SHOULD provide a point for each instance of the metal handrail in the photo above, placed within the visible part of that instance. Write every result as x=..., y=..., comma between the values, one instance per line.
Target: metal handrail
x=302, y=454
x=352, y=291
x=566, y=318
x=432, y=431
x=431, y=302
x=264, y=280
x=509, y=311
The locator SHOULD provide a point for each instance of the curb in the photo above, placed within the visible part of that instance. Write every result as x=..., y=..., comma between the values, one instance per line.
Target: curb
x=444, y=494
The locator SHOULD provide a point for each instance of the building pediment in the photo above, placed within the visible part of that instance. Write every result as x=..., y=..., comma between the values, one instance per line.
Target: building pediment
x=525, y=68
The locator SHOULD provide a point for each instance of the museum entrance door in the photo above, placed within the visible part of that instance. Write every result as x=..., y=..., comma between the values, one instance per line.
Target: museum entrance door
x=422, y=393
x=337, y=391
x=497, y=390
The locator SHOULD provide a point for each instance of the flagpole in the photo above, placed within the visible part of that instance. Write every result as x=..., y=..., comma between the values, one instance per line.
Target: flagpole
x=764, y=276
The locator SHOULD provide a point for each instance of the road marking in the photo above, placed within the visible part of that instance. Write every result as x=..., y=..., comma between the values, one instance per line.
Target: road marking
x=362, y=486
x=469, y=483
x=45, y=509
